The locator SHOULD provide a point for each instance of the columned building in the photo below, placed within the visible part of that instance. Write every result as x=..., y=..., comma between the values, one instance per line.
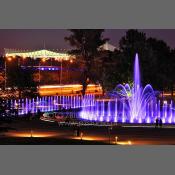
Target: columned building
x=53, y=67
x=44, y=61
x=47, y=54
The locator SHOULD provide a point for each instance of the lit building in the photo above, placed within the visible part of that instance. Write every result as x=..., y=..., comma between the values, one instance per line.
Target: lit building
x=57, y=67
x=45, y=62
x=47, y=54
x=46, y=90
x=108, y=47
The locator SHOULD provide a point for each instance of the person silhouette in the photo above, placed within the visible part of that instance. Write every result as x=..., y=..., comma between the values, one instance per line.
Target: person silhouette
x=160, y=123
x=157, y=123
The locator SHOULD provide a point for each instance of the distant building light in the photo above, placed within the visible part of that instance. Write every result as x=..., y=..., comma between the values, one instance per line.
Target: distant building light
x=9, y=58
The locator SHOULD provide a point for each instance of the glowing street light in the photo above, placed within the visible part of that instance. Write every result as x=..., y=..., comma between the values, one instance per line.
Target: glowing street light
x=61, y=73
x=116, y=139
x=81, y=135
x=7, y=58
x=109, y=133
x=31, y=133
x=129, y=142
x=24, y=57
x=44, y=60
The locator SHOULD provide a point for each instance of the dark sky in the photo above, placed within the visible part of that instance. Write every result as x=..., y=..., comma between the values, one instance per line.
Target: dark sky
x=54, y=39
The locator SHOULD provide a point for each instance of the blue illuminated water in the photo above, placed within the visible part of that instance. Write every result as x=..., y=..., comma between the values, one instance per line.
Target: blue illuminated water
x=131, y=104
x=47, y=103
x=126, y=104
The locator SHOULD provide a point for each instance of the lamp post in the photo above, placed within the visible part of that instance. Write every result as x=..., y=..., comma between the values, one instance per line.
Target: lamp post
x=40, y=60
x=67, y=72
x=39, y=72
x=116, y=139
x=5, y=67
x=18, y=61
x=61, y=72
x=68, y=66
x=109, y=133
x=51, y=61
x=5, y=79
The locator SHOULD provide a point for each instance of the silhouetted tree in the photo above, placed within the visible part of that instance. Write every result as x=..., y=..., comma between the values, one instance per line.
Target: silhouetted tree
x=104, y=69
x=159, y=63
x=20, y=78
x=86, y=43
x=130, y=44
x=171, y=65
x=155, y=59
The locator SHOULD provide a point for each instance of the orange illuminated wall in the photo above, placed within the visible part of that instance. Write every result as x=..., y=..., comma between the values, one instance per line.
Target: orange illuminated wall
x=68, y=89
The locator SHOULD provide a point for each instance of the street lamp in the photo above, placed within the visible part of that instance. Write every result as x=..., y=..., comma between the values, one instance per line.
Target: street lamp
x=5, y=79
x=61, y=72
x=44, y=60
x=51, y=61
x=39, y=71
x=116, y=139
x=109, y=133
x=18, y=60
x=9, y=58
x=61, y=66
x=40, y=60
x=68, y=66
x=81, y=135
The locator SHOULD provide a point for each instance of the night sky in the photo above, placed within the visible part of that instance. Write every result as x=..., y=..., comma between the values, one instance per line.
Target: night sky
x=54, y=39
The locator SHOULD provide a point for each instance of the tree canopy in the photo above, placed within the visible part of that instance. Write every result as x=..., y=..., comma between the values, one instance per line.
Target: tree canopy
x=86, y=43
x=157, y=60
x=19, y=77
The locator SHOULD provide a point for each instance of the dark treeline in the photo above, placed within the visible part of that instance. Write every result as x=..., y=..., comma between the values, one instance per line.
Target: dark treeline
x=157, y=59
x=86, y=43
x=22, y=79
x=17, y=78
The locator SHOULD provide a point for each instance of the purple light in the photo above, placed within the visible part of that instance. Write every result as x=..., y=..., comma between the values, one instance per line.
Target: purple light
x=131, y=104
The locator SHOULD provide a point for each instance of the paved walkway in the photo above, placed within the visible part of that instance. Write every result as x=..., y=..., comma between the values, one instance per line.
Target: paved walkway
x=125, y=134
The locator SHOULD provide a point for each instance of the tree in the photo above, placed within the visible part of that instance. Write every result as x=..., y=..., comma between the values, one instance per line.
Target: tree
x=86, y=43
x=20, y=78
x=171, y=68
x=160, y=61
x=155, y=58
x=104, y=68
x=130, y=44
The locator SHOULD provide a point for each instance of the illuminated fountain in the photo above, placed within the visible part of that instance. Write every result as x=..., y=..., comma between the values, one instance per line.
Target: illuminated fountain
x=137, y=100
x=131, y=104
x=127, y=104
x=49, y=103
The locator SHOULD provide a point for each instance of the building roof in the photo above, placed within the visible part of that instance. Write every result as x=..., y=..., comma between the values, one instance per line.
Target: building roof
x=108, y=46
x=43, y=53
x=38, y=54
